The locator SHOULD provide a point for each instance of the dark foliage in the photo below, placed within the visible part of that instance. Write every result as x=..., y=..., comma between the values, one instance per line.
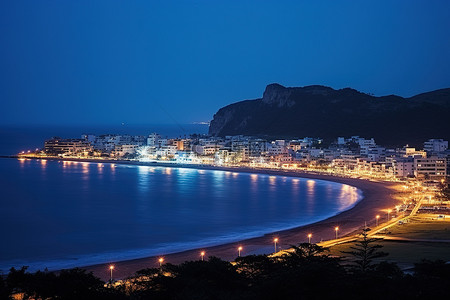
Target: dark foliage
x=306, y=272
x=68, y=284
x=365, y=251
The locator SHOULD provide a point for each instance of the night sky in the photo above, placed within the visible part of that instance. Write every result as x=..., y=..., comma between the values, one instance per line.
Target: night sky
x=152, y=62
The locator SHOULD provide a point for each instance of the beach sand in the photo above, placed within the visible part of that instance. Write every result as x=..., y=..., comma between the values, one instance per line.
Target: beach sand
x=377, y=196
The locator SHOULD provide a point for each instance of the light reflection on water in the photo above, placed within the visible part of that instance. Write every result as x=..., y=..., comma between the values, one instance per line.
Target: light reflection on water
x=349, y=196
x=75, y=210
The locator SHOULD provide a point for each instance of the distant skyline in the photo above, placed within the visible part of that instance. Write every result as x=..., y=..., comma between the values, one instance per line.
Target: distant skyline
x=167, y=62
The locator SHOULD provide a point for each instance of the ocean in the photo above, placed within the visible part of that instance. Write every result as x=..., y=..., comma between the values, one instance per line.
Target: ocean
x=61, y=214
x=56, y=214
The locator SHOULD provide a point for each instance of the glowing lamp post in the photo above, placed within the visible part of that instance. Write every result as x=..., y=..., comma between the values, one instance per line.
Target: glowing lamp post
x=377, y=217
x=336, y=229
x=111, y=268
x=239, y=251
x=388, y=212
x=202, y=254
x=160, y=260
x=275, y=240
x=309, y=238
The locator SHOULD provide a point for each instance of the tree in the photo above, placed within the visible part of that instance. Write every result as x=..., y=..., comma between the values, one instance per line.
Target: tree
x=211, y=279
x=255, y=266
x=365, y=251
x=307, y=250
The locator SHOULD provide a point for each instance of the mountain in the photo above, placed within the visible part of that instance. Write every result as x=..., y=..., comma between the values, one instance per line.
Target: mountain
x=320, y=111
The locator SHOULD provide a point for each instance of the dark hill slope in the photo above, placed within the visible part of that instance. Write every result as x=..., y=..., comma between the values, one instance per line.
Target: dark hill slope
x=319, y=111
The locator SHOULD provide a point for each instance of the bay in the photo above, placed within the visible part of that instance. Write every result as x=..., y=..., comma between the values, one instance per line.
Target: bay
x=62, y=214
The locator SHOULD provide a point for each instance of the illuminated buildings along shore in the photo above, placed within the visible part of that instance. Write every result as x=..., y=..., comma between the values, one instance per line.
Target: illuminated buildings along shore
x=354, y=156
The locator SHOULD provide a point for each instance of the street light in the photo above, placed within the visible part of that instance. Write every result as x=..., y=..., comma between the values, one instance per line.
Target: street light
x=202, y=254
x=239, y=251
x=309, y=238
x=377, y=217
x=388, y=211
x=161, y=260
x=111, y=268
x=275, y=240
x=336, y=229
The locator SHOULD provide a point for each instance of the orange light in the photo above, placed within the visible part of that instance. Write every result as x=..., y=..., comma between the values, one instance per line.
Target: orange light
x=240, y=248
x=161, y=260
x=202, y=253
x=275, y=240
x=111, y=267
x=310, y=235
x=337, y=228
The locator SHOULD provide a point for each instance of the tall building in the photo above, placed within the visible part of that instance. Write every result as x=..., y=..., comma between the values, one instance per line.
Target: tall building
x=153, y=139
x=432, y=167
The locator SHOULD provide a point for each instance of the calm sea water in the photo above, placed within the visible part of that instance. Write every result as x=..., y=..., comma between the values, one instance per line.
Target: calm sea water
x=59, y=214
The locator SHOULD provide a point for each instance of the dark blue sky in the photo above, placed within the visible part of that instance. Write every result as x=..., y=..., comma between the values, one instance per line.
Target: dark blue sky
x=143, y=62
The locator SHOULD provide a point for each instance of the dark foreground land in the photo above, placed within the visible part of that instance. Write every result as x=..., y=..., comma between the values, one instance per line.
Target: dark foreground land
x=307, y=272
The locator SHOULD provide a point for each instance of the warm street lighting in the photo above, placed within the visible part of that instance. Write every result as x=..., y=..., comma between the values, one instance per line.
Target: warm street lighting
x=388, y=212
x=336, y=229
x=309, y=238
x=239, y=251
x=202, y=254
x=161, y=260
x=275, y=240
x=377, y=217
x=111, y=268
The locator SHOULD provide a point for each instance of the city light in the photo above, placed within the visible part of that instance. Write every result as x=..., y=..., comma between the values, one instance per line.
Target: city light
x=160, y=260
x=336, y=229
x=111, y=268
x=309, y=238
x=202, y=254
x=377, y=218
x=239, y=251
x=275, y=240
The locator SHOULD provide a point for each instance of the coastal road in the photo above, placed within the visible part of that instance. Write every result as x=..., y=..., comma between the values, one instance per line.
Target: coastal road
x=382, y=227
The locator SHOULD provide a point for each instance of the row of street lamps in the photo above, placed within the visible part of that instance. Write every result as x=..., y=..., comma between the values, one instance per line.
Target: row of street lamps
x=203, y=253
x=275, y=241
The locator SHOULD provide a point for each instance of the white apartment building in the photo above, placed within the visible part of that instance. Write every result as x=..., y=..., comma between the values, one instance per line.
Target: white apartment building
x=152, y=139
x=205, y=149
x=166, y=151
x=432, y=167
x=122, y=150
x=376, y=153
x=277, y=147
x=403, y=167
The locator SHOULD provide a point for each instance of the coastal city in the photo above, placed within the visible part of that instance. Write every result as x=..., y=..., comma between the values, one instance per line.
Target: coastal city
x=424, y=170
x=354, y=156
x=419, y=178
x=200, y=150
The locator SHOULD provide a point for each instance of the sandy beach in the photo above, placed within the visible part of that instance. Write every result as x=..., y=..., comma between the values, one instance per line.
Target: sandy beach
x=377, y=196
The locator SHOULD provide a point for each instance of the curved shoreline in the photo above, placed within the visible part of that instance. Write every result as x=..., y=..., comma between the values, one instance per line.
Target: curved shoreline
x=376, y=196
